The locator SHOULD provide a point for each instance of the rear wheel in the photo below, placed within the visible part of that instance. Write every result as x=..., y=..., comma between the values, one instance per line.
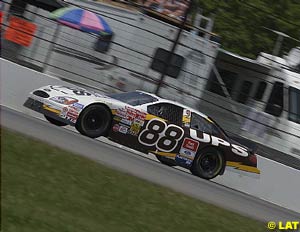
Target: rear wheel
x=55, y=122
x=94, y=121
x=208, y=163
x=166, y=161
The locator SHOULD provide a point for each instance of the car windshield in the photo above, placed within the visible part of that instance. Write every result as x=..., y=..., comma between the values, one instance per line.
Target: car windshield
x=134, y=98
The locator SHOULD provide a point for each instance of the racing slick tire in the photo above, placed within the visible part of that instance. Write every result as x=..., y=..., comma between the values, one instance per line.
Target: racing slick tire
x=54, y=121
x=94, y=121
x=208, y=163
x=166, y=161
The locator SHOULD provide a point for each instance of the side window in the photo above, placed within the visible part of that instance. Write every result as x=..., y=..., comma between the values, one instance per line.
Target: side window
x=201, y=124
x=168, y=111
x=294, y=104
x=275, y=102
x=260, y=91
x=244, y=92
x=229, y=79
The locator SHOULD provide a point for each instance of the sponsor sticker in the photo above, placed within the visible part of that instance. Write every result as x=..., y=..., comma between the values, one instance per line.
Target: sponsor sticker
x=123, y=129
x=130, y=117
x=117, y=118
x=190, y=144
x=189, y=148
x=188, y=153
x=183, y=161
x=126, y=121
x=121, y=112
x=78, y=105
x=71, y=113
x=139, y=121
x=135, y=129
x=186, y=117
x=63, y=113
x=116, y=127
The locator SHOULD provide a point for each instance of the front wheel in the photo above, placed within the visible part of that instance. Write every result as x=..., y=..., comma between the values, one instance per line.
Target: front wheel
x=208, y=163
x=94, y=121
x=54, y=121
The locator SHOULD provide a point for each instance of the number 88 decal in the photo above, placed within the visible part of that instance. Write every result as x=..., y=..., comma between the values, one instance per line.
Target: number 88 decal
x=165, y=137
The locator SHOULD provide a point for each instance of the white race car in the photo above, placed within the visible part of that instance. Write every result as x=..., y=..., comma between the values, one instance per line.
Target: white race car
x=176, y=134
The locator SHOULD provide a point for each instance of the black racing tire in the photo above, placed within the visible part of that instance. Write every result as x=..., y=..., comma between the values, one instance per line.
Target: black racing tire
x=208, y=163
x=94, y=121
x=54, y=121
x=166, y=161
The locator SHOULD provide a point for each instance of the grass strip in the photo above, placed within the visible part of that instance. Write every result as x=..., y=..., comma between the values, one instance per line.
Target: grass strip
x=45, y=188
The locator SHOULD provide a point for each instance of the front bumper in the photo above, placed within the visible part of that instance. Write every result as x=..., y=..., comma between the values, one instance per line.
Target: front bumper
x=42, y=108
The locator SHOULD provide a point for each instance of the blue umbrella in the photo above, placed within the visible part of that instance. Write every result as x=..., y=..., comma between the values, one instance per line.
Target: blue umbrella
x=82, y=20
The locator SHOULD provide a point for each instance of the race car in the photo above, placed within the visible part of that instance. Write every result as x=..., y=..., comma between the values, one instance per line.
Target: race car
x=176, y=134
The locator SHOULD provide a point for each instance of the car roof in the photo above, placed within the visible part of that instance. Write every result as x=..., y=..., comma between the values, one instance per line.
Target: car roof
x=163, y=100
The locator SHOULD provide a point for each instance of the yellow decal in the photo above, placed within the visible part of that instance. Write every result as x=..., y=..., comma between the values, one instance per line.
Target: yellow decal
x=167, y=154
x=56, y=111
x=186, y=119
x=151, y=116
x=284, y=225
x=242, y=167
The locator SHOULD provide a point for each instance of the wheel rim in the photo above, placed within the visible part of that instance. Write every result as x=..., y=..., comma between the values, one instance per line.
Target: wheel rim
x=210, y=164
x=94, y=120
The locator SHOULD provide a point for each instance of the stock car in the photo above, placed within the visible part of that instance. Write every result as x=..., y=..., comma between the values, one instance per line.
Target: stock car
x=176, y=134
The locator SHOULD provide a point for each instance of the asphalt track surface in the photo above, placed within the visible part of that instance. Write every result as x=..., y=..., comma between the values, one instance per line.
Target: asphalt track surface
x=144, y=168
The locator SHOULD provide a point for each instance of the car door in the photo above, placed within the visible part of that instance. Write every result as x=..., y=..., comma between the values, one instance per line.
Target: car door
x=157, y=130
x=163, y=130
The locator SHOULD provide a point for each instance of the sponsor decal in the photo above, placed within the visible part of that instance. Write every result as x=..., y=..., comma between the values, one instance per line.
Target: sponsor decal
x=187, y=153
x=116, y=127
x=78, y=105
x=189, y=148
x=63, y=113
x=117, y=118
x=70, y=114
x=135, y=129
x=130, y=116
x=186, y=117
x=121, y=112
x=126, y=121
x=215, y=141
x=190, y=144
x=64, y=100
x=123, y=129
x=183, y=161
